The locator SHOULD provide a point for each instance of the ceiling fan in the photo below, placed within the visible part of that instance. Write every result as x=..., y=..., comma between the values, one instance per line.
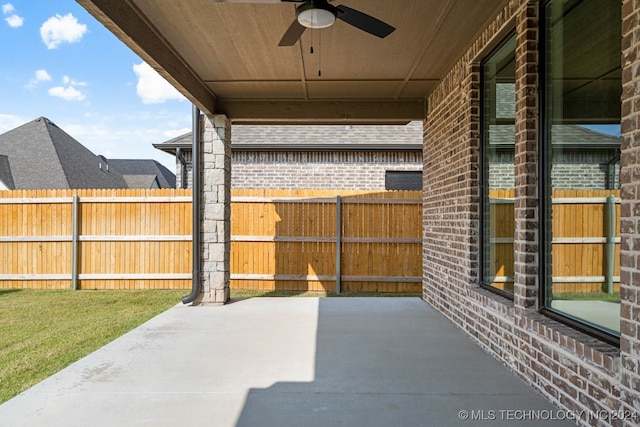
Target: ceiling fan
x=320, y=14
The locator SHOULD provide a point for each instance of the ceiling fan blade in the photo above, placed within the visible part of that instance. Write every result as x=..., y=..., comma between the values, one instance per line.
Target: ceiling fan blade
x=293, y=34
x=364, y=22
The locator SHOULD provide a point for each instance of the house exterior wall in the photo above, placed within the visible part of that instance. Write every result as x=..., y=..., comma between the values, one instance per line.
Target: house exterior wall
x=311, y=170
x=573, y=170
x=319, y=170
x=570, y=368
x=630, y=223
x=184, y=172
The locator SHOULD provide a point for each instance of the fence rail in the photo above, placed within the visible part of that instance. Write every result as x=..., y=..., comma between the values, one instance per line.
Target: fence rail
x=281, y=239
x=95, y=239
x=325, y=240
x=585, y=240
x=125, y=239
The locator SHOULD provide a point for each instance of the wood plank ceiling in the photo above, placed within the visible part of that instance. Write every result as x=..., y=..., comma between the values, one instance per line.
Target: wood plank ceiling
x=224, y=55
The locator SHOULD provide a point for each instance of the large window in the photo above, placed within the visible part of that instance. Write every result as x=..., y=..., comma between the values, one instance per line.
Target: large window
x=580, y=161
x=498, y=182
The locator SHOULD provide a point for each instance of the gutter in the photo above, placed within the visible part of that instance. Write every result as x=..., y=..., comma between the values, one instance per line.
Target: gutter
x=195, y=208
x=610, y=172
x=183, y=169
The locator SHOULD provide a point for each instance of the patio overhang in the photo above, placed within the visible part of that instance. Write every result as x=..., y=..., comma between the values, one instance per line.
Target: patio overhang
x=224, y=56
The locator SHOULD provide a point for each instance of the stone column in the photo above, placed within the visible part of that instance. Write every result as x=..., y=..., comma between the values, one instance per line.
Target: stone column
x=215, y=209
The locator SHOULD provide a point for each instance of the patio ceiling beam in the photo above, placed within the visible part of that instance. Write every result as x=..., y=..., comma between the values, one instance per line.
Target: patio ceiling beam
x=322, y=112
x=124, y=20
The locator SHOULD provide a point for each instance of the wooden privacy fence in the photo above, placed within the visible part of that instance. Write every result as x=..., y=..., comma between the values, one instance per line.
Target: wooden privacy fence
x=585, y=240
x=323, y=240
x=141, y=239
x=95, y=239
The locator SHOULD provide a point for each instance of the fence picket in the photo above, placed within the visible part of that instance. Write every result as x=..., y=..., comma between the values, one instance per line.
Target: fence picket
x=381, y=239
x=578, y=229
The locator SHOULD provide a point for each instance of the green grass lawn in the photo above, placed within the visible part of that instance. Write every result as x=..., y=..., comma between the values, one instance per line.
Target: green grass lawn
x=588, y=296
x=42, y=332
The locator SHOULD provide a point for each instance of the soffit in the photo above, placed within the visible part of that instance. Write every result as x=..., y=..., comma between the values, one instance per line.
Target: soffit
x=224, y=55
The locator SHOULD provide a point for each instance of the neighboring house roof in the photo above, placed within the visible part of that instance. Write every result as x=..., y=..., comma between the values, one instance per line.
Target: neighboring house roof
x=564, y=136
x=575, y=135
x=315, y=138
x=6, y=179
x=42, y=155
x=142, y=181
x=141, y=173
x=183, y=142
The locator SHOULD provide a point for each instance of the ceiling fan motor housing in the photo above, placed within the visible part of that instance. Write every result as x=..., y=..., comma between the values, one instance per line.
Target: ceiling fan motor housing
x=316, y=14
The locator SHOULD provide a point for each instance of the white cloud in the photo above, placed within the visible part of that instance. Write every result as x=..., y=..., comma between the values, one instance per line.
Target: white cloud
x=113, y=138
x=152, y=88
x=10, y=121
x=67, y=93
x=15, y=21
x=61, y=29
x=69, y=81
x=12, y=18
x=40, y=76
x=43, y=75
x=68, y=90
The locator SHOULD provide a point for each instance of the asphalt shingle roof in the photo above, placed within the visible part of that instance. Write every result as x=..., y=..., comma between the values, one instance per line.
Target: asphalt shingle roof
x=5, y=172
x=145, y=168
x=43, y=156
x=562, y=135
x=328, y=134
x=299, y=136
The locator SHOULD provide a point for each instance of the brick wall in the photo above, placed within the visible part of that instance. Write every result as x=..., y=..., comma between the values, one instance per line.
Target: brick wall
x=630, y=186
x=313, y=170
x=571, y=369
x=571, y=170
x=319, y=170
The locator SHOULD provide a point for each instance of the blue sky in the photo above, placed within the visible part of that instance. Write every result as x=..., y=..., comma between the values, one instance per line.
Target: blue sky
x=60, y=63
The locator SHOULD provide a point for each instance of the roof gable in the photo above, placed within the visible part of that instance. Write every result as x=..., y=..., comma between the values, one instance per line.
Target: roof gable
x=144, y=168
x=42, y=155
x=32, y=156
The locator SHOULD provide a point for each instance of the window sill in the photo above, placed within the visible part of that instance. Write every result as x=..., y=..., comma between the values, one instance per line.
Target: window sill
x=566, y=338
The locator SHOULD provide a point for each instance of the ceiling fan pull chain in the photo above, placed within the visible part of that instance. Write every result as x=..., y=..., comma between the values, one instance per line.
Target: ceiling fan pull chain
x=319, y=53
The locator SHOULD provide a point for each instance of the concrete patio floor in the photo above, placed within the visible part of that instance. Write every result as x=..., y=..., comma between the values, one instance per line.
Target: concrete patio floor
x=287, y=362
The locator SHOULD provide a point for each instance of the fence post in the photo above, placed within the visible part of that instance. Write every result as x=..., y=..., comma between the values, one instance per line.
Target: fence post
x=610, y=246
x=338, y=242
x=74, y=243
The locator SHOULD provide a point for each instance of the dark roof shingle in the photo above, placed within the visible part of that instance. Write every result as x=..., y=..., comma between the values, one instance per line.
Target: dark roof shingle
x=5, y=173
x=43, y=156
x=146, y=168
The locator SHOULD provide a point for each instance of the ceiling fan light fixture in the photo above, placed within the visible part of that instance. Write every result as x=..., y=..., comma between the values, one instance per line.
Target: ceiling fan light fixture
x=311, y=16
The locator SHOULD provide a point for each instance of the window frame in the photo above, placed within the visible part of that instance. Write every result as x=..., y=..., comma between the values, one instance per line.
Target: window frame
x=483, y=173
x=413, y=174
x=544, y=200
